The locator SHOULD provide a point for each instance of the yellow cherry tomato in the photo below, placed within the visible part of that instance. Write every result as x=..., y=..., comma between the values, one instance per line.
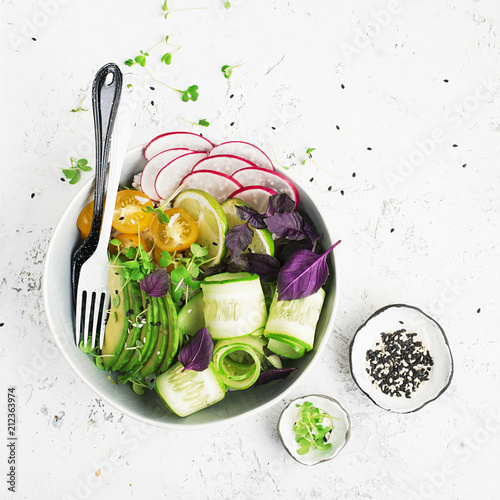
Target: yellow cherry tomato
x=131, y=215
x=178, y=233
x=84, y=220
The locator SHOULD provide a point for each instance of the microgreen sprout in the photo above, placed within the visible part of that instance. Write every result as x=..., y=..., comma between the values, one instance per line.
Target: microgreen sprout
x=227, y=5
x=73, y=173
x=309, y=158
x=140, y=59
x=168, y=11
x=162, y=216
x=93, y=352
x=202, y=123
x=186, y=270
x=227, y=70
x=312, y=428
x=80, y=104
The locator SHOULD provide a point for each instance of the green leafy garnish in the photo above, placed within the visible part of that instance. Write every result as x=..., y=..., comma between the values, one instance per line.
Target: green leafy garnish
x=227, y=5
x=80, y=104
x=73, y=173
x=309, y=152
x=162, y=216
x=203, y=123
x=312, y=428
x=227, y=70
x=167, y=58
x=186, y=272
x=190, y=94
x=140, y=59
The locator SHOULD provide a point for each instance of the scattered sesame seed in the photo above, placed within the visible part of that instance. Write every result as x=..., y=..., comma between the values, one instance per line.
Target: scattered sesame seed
x=478, y=311
x=392, y=229
x=455, y=145
x=464, y=165
x=32, y=195
x=342, y=192
x=354, y=174
x=1, y=324
x=342, y=86
x=274, y=128
x=337, y=127
x=329, y=188
x=446, y=80
x=311, y=179
x=232, y=123
x=369, y=149
x=63, y=179
x=231, y=96
x=152, y=103
x=34, y=39
x=152, y=88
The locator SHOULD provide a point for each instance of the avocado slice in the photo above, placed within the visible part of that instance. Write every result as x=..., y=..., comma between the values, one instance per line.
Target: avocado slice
x=148, y=336
x=191, y=317
x=174, y=334
x=158, y=354
x=116, y=332
x=133, y=312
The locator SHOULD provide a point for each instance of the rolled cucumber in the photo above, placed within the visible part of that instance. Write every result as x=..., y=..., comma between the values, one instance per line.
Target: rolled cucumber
x=234, y=305
x=186, y=392
x=293, y=323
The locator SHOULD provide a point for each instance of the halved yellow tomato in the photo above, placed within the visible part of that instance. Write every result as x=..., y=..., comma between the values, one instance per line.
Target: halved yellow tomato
x=178, y=233
x=131, y=215
x=84, y=220
x=129, y=240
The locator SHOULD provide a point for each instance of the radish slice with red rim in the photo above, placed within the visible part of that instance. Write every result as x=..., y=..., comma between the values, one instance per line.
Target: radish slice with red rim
x=227, y=164
x=262, y=177
x=172, y=140
x=217, y=184
x=153, y=166
x=170, y=176
x=244, y=150
x=256, y=196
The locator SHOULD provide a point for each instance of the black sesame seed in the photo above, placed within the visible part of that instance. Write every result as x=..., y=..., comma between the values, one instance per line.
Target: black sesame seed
x=274, y=128
x=63, y=179
x=446, y=81
x=342, y=86
x=32, y=195
x=34, y=39
x=354, y=174
x=232, y=123
x=214, y=243
x=464, y=165
x=455, y=145
x=231, y=96
x=342, y=192
x=369, y=149
x=337, y=127
x=329, y=188
x=152, y=103
x=392, y=229
x=311, y=179
x=152, y=88
x=1, y=324
x=479, y=310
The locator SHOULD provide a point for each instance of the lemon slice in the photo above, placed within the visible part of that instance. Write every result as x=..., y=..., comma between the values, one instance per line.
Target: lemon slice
x=211, y=220
x=262, y=239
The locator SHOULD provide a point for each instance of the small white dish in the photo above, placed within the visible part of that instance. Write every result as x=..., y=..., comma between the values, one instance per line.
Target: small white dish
x=394, y=318
x=338, y=438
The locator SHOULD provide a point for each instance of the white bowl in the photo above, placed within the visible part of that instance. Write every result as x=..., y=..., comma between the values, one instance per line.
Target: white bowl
x=148, y=408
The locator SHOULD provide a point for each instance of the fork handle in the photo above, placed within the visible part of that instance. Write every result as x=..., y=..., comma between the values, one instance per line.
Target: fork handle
x=106, y=92
x=125, y=121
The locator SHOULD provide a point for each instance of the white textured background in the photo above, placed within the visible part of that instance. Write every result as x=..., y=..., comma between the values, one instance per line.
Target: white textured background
x=401, y=100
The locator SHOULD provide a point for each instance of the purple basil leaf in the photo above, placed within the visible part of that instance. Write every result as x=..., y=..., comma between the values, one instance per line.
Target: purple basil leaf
x=279, y=203
x=251, y=215
x=265, y=266
x=238, y=238
x=157, y=283
x=273, y=374
x=310, y=230
x=197, y=353
x=284, y=250
x=304, y=274
x=289, y=225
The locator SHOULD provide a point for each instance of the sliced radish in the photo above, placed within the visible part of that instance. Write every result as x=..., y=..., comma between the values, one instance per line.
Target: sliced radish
x=266, y=178
x=153, y=166
x=227, y=164
x=169, y=177
x=244, y=150
x=173, y=140
x=217, y=184
x=256, y=196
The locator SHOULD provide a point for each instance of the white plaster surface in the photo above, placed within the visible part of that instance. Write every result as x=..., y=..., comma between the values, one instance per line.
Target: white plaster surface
x=405, y=122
